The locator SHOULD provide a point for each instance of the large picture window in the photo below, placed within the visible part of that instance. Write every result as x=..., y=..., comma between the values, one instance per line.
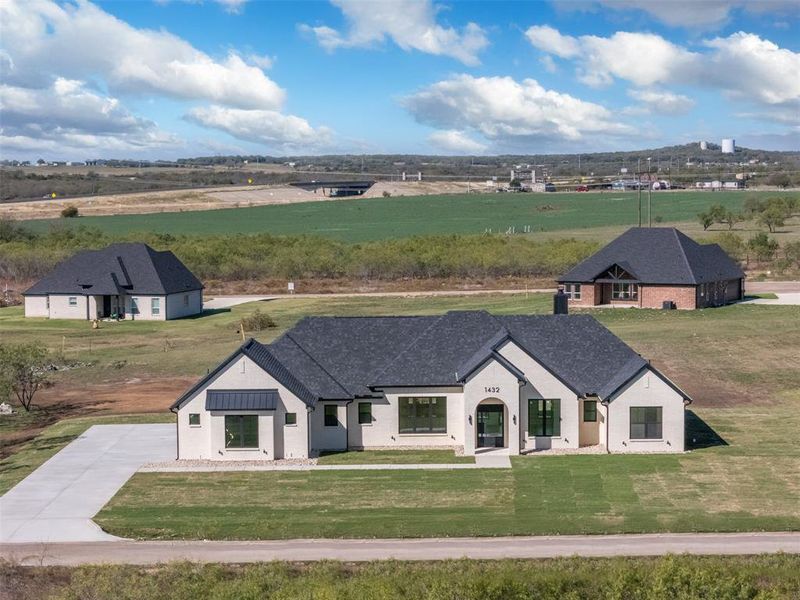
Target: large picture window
x=645, y=422
x=241, y=431
x=544, y=417
x=624, y=291
x=423, y=414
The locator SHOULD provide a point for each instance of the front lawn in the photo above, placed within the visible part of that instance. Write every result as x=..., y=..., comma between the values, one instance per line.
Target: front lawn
x=393, y=457
x=753, y=483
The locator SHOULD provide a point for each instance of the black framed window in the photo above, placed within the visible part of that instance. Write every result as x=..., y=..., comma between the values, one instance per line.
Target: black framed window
x=331, y=416
x=423, y=414
x=241, y=431
x=290, y=419
x=589, y=411
x=646, y=423
x=544, y=417
x=624, y=291
x=573, y=291
x=364, y=413
x=194, y=418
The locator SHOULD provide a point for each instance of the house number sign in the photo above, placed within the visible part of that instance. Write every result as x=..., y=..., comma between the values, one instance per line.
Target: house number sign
x=492, y=390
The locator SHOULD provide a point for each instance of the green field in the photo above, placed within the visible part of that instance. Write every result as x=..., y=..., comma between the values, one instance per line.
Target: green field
x=773, y=577
x=379, y=218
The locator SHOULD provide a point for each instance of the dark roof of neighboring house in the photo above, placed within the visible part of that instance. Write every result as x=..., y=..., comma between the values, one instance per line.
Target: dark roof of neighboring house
x=242, y=399
x=125, y=268
x=658, y=255
x=342, y=358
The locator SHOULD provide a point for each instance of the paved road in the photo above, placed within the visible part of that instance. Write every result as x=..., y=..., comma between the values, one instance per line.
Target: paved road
x=143, y=553
x=215, y=302
x=58, y=500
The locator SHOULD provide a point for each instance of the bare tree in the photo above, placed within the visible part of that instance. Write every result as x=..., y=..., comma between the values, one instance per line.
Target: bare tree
x=23, y=371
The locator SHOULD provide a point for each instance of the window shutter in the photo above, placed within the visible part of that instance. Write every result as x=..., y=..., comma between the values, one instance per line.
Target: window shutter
x=556, y=418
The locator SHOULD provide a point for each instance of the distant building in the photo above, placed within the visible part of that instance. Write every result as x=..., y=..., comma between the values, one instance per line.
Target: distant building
x=129, y=280
x=728, y=146
x=652, y=268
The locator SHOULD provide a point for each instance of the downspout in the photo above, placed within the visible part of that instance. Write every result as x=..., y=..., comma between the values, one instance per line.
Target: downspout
x=308, y=431
x=177, y=434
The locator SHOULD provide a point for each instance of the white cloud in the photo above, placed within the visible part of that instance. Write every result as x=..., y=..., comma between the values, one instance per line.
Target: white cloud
x=662, y=102
x=548, y=64
x=552, y=41
x=742, y=65
x=457, y=142
x=50, y=51
x=263, y=126
x=503, y=109
x=411, y=24
x=700, y=14
x=234, y=6
x=68, y=114
x=81, y=40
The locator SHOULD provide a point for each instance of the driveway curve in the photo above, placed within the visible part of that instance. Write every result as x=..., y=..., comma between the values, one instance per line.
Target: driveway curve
x=57, y=501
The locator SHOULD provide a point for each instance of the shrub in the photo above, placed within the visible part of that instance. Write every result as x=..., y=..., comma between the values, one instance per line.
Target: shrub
x=258, y=321
x=70, y=212
x=762, y=246
x=387, y=194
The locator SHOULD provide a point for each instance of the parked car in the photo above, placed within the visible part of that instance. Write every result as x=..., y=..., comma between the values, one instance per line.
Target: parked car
x=582, y=188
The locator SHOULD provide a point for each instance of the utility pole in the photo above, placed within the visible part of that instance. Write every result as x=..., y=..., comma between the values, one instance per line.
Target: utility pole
x=649, y=196
x=639, y=191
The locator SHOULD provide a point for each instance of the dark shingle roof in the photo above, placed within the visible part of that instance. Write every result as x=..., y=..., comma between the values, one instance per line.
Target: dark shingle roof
x=341, y=358
x=242, y=399
x=127, y=268
x=658, y=255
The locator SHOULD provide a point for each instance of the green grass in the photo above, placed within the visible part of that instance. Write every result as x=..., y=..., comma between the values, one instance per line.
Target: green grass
x=397, y=457
x=16, y=467
x=379, y=218
x=685, y=577
x=725, y=358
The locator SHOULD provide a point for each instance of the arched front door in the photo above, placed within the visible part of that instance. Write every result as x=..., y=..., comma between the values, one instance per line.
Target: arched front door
x=491, y=425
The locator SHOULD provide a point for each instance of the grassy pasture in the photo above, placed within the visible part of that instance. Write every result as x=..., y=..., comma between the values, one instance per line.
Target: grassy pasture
x=671, y=577
x=380, y=218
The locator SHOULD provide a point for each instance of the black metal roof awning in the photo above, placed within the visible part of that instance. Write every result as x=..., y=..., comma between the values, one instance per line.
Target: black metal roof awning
x=242, y=399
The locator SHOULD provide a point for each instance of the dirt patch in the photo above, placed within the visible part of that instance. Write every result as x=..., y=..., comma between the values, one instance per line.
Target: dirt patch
x=65, y=401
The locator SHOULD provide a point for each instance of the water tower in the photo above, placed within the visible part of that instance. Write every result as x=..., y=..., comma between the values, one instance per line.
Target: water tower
x=703, y=145
x=728, y=146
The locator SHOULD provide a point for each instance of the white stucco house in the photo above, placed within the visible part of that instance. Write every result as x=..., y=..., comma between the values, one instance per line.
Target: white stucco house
x=124, y=281
x=467, y=380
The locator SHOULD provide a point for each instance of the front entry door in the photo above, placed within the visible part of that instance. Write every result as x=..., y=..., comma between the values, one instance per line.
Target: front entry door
x=490, y=426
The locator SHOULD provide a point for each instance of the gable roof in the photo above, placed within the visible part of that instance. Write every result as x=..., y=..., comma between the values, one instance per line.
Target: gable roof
x=658, y=255
x=124, y=268
x=342, y=358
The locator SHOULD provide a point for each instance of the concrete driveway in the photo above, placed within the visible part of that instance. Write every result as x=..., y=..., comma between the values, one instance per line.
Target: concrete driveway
x=56, y=502
x=783, y=299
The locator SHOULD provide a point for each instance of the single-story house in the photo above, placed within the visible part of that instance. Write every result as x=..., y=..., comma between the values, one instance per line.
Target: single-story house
x=647, y=267
x=466, y=380
x=124, y=281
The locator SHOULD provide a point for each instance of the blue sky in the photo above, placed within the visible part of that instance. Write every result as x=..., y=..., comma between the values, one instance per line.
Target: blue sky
x=174, y=78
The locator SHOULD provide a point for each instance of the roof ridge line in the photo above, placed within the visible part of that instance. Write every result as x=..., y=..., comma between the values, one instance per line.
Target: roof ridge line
x=246, y=348
x=683, y=254
x=315, y=361
x=410, y=345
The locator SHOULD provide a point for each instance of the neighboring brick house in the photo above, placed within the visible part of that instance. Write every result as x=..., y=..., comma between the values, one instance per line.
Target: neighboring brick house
x=646, y=267
x=122, y=281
